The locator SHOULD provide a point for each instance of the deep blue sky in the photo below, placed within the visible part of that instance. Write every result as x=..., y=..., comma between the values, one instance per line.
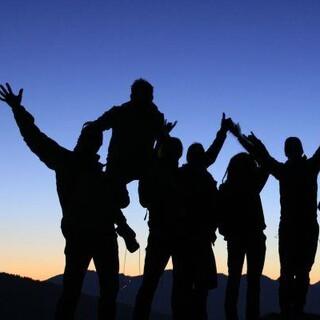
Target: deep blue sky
x=256, y=60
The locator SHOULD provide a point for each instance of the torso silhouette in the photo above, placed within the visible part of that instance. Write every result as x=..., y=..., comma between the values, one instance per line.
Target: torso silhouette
x=241, y=208
x=298, y=190
x=88, y=198
x=160, y=192
x=134, y=131
x=200, y=200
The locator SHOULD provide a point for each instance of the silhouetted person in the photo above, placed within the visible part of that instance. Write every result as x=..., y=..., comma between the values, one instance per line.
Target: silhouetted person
x=195, y=268
x=159, y=192
x=242, y=224
x=194, y=272
x=163, y=192
x=298, y=229
x=135, y=127
x=90, y=202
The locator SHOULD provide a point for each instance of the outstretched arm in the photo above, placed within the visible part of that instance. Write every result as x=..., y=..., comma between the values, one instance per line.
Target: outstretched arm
x=261, y=154
x=45, y=148
x=258, y=150
x=235, y=129
x=216, y=146
x=108, y=119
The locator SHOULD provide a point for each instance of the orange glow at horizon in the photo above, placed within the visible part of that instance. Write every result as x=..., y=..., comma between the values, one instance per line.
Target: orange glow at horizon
x=45, y=267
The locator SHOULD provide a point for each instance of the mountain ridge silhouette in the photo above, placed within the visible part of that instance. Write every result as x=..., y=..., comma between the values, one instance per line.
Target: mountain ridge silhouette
x=22, y=298
x=269, y=294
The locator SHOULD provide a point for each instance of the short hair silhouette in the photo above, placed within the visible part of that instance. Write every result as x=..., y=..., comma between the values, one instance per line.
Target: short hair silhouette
x=141, y=90
x=171, y=149
x=90, y=139
x=293, y=148
x=196, y=154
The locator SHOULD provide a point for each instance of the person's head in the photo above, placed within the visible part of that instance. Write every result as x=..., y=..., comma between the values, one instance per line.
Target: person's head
x=293, y=148
x=242, y=167
x=196, y=155
x=141, y=91
x=90, y=139
x=171, y=150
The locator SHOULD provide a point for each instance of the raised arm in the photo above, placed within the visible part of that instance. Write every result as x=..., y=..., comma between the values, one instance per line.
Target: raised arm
x=48, y=151
x=235, y=129
x=164, y=134
x=261, y=154
x=262, y=177
x=258, y=150
x=108, y=119
x=316, y=159
x=216, y=146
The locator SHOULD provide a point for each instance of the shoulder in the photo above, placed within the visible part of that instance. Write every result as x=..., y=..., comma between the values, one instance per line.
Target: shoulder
x=154, y=110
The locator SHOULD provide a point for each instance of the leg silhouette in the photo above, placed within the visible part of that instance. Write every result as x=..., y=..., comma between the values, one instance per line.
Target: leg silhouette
x=107, y=267
x=157, y=257
x=74, y=272
x=236, y=254
x=255, y=261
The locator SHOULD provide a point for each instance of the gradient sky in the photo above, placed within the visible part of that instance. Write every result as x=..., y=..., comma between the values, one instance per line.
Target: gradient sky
x=256, y=60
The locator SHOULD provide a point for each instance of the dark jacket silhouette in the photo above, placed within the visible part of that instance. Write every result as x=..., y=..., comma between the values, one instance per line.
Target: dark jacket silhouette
x=160, y=193
x=195, y=268
x=298, y=229
x=88, y=197
x=135, y=127
x=90, y=203
x=242, y=223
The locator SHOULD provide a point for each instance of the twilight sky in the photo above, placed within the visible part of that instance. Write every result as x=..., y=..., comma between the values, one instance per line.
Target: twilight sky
x=258, y=61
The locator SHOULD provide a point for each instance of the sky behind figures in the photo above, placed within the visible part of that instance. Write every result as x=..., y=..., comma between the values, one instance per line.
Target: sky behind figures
x=257, y=61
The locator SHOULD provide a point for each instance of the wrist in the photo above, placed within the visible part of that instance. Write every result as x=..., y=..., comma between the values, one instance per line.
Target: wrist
x=15, y=106
x=223, y=131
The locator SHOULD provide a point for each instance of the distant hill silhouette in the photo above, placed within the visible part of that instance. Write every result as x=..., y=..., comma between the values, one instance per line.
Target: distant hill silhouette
x=27, y=299
x=269, y=294
x=274, y=316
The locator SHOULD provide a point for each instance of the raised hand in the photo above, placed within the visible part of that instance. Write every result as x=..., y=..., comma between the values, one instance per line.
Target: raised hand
x=168, y=126
x=256, y=142
x=9, y=97
x=235, y=129
x=227, y=123
x=252, y=137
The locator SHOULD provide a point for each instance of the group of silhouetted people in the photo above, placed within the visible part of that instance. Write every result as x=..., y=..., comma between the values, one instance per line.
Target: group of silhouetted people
x=185, y=209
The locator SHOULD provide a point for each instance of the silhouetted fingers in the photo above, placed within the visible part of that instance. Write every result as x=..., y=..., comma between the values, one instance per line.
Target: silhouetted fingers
x=20, y=93
x=2, y=99
x=251, y=133
x=254, y=139
x=3, y=90
x=223, y=116
x=9, y=88
x=3, y=95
